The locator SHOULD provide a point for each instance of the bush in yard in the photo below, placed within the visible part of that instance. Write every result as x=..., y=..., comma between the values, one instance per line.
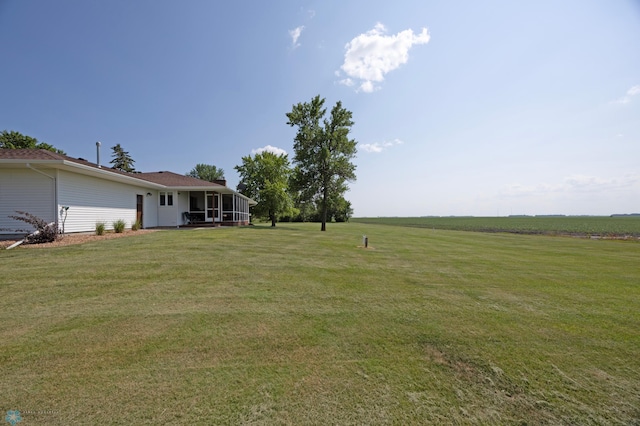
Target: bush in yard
x=100, y=228
x=136, y=225
x=119, y=225
x=43, y=232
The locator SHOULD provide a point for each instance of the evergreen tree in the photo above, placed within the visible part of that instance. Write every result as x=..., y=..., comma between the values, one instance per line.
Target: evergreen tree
x=121, y=160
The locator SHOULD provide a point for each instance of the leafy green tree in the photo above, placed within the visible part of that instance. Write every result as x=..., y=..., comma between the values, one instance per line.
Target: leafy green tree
x=16, y=140
x=341, y=210
x=207, y=172
x=323, y=152
x=265, y=178
x=307, y=210
x=122, y=160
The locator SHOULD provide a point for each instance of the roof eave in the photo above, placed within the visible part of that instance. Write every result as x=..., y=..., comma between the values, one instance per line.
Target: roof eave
x=107, y=173
x=83, y=169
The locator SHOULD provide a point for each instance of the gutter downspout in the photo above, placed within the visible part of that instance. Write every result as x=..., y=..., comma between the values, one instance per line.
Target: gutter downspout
x=55, y=193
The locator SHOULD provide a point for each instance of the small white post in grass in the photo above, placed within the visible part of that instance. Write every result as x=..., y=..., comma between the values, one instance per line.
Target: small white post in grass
x=16, y=244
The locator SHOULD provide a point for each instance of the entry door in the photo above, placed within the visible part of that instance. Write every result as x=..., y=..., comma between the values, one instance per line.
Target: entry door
x=216, y=207
x=209, y=196
x=139, y=203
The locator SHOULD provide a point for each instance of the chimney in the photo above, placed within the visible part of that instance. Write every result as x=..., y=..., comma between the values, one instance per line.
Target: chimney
x=98, y=153
x=222, y=182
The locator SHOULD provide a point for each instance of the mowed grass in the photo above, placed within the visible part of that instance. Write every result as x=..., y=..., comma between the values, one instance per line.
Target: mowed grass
x=604, y=226
x=293, y=326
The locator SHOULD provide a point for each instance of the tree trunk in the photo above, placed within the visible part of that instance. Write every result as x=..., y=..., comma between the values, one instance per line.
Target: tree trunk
x=324, y=210
x=273, y=219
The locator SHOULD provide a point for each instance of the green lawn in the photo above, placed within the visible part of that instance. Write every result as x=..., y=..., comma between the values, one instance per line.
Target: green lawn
x=604, y=226
x=293, y=326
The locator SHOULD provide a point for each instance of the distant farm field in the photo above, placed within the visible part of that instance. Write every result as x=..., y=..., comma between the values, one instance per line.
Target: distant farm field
x=605, y=226
x=296, y=326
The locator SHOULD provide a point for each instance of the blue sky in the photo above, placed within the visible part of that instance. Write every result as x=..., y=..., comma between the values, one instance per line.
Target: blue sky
x=460, y=107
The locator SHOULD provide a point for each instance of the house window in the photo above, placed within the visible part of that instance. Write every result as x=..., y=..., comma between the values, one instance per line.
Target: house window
x=166, y=198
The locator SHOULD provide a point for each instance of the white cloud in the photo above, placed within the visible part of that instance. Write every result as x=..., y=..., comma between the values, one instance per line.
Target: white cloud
x=372, y=55
x=594, y=183
x=368, y=87
x=295, y=35
x=634, y=91
x=379, y=146
x=269, y=148
x=575, y=184
x=347, y=82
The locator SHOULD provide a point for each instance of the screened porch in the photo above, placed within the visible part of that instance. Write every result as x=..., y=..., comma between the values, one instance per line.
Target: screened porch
x=217, y=208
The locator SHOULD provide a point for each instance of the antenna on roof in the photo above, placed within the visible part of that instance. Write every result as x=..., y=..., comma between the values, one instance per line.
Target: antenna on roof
x=98, y=153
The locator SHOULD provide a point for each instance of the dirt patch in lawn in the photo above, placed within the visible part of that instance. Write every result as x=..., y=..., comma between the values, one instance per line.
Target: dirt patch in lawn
x=70, y=239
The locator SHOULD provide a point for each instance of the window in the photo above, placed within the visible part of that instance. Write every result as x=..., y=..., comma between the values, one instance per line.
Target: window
x=166, y=198
x=196, y=201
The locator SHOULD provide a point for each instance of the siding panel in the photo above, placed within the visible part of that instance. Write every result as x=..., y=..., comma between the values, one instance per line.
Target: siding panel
x=93, y=200
x=150, y=210
x=25, y=190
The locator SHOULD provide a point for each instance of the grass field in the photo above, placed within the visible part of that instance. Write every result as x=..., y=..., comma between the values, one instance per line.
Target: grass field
x=293, y=326
x=604, y=226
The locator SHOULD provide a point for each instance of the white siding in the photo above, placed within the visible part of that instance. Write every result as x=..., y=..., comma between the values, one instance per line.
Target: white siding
x=28, y=191
x=150, y=209
x=168, y=214
x=93, y=200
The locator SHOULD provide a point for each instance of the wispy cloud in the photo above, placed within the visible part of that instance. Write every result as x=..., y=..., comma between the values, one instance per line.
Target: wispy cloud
x=372, y=55
x=634, y=91
x=295, y=33
x=574, y=184
x=379, y=146
x=269, y=148
x=295, y=36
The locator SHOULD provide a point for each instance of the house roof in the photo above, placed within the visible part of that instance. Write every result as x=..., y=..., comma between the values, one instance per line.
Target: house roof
x=155, y=180
x=174, y=179
x=43, y=155
x=30, y=154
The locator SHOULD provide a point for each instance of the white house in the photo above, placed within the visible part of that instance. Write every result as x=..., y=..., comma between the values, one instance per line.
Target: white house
x=77, y=194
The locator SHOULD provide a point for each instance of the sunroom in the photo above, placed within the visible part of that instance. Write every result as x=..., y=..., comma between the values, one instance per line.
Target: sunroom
x=216, y=207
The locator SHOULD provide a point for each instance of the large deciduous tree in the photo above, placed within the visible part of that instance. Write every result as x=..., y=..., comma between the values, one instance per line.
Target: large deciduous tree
x=16, y=140
x=323, y=153
x=207, y=172
x=265, y=178
x=341, y=209
x=121, y=160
